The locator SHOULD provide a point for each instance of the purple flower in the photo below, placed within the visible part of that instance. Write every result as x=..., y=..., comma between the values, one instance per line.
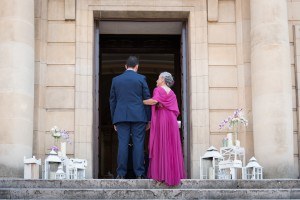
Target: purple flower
x=54, y=148
x=234, y=120
x=65, y=135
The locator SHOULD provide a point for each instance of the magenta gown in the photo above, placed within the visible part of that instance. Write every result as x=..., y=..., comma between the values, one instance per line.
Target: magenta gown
x=165, y=151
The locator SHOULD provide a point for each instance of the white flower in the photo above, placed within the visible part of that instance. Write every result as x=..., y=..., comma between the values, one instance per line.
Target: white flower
x=55, y=132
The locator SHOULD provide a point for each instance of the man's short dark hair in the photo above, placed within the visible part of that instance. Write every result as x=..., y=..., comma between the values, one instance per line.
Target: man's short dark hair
x=132, y=61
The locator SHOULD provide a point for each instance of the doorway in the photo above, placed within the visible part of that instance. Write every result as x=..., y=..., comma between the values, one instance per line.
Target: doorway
x=156, y=53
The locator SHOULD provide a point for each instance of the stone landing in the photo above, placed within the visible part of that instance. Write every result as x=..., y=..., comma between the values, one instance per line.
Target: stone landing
x=148, y=189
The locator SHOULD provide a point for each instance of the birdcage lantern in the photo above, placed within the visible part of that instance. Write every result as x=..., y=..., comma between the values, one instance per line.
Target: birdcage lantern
x=60, y=174
x=253, y=170
x=209, y=164
x=52, y=163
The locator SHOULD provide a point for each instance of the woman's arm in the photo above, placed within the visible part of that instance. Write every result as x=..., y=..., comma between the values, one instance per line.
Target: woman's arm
x=150, y=102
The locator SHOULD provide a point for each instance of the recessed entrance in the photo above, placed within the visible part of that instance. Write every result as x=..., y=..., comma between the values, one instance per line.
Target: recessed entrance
x=157, y=53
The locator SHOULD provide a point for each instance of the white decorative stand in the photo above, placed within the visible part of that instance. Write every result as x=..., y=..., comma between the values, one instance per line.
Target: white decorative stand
x=233, y=160
x=75, y=168
x=31, y=168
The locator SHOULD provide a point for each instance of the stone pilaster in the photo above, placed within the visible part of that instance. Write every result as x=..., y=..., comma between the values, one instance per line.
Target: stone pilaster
x=16, y=84
x=272, y=88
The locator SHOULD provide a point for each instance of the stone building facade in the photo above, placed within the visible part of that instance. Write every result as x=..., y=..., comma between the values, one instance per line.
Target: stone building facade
x=232, y=54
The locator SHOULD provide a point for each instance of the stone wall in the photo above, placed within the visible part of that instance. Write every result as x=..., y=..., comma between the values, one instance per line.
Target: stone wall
x=54, y=75
x=219, y=68
x=229, y=69
x=64, y=68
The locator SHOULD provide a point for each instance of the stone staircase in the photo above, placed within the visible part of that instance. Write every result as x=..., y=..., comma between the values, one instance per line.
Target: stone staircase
x=148, y=189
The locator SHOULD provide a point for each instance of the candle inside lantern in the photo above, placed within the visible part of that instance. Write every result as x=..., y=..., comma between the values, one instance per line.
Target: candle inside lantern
x=211, y=173
x=229, y=136
x=237, y=143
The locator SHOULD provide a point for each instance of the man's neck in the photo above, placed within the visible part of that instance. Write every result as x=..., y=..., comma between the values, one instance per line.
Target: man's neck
x=131, y=69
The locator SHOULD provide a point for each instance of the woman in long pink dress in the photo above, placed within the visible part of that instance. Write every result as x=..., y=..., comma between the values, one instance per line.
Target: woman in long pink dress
x=165, y=151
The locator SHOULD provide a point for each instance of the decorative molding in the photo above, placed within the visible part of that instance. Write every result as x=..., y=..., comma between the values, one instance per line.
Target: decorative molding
x=212, y=10
x=296, y=55
x=297, y=40
x=70, y=8
x=296, y=35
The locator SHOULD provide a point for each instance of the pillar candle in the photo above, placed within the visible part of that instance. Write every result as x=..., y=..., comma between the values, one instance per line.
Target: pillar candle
x=63, y=147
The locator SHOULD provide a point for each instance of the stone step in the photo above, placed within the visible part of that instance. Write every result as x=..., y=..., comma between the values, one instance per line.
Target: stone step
x=55, y=193
x=150, y=184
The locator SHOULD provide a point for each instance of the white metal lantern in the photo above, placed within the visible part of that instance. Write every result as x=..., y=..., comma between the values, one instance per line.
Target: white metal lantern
x=253, y=170
x=209, y=164
x=52, y=163
x=60, y=174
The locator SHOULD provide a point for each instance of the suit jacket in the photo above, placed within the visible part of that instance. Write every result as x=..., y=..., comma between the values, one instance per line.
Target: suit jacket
x=127, y=93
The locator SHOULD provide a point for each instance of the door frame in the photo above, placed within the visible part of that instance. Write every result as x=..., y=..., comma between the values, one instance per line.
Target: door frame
x=184, y=97
x=96, y=73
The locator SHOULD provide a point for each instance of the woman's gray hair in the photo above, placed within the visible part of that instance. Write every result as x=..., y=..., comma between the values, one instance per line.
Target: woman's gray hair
x=168, y=78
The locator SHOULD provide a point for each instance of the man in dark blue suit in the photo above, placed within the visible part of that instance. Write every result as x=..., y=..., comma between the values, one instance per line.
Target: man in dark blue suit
x=130, y=116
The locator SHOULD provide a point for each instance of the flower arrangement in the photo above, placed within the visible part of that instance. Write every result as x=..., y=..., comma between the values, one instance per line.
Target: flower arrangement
x=233, y=122
x=57, y=134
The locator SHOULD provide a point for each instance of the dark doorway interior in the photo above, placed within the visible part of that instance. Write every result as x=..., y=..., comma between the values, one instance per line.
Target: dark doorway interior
x=157, y=53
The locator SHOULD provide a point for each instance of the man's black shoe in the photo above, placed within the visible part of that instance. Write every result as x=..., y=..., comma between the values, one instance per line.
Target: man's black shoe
x=120, y=177
x=140, y=177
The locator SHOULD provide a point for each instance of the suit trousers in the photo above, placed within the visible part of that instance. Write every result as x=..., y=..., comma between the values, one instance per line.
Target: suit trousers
x=137, y=131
